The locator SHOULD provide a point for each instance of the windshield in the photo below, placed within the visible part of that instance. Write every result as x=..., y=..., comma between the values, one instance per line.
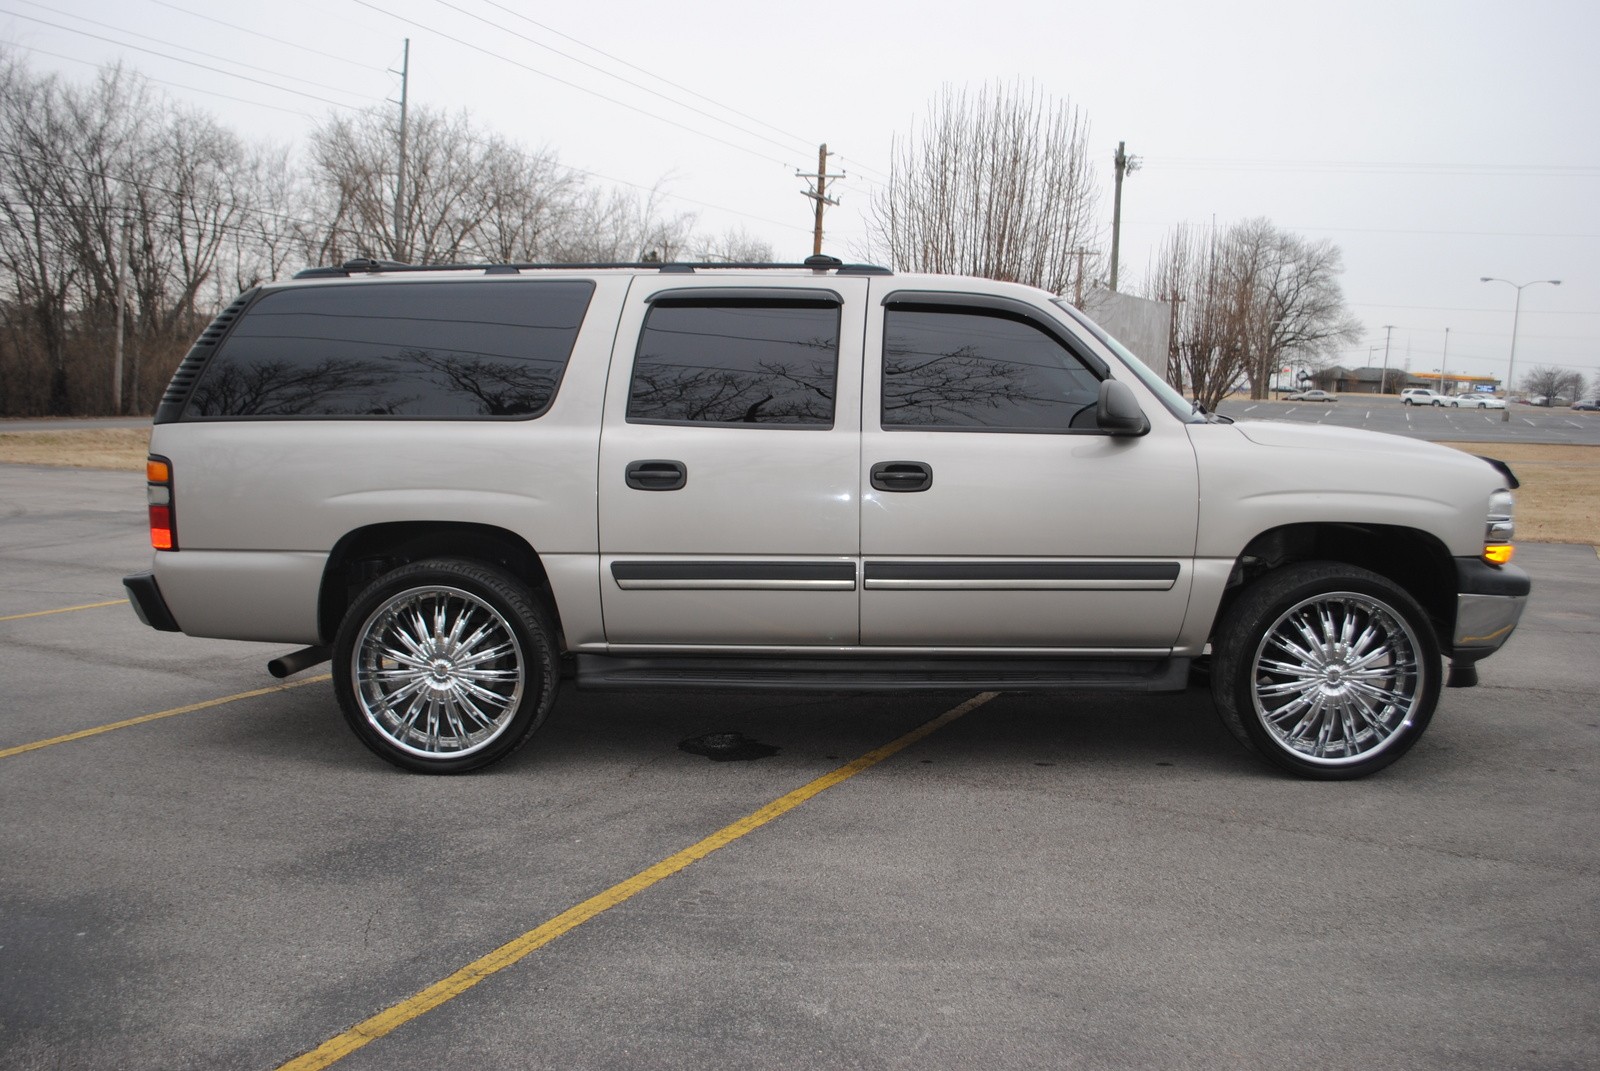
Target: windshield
x=1177, y=403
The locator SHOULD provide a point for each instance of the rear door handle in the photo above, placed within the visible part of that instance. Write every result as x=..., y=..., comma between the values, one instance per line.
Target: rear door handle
x=902, y=476
x=657, y=475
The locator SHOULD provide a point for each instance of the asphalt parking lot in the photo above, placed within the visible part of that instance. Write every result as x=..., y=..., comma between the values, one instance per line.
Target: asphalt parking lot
x=1557, y=425
x=1039, y=882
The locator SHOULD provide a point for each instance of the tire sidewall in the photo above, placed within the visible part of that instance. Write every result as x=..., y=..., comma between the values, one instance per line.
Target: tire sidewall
x=511, y=600
x=1260, y=606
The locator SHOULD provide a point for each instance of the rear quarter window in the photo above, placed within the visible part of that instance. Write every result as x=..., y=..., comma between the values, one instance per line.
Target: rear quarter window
x=417, y=350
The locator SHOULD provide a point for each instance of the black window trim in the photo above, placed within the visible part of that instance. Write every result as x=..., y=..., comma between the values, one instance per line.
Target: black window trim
x=746, y=295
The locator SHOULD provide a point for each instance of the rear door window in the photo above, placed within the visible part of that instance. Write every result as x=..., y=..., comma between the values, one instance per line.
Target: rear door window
x=737, y=362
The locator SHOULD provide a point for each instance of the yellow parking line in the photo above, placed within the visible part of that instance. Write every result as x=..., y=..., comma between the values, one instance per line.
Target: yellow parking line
x=141, y=719
x=452, y=986
x=66, y=610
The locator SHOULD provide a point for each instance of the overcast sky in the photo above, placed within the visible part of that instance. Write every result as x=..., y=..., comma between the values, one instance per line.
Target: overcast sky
x=1434, y=143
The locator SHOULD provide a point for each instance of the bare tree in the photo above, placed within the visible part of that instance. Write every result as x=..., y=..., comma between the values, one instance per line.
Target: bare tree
x=1543, y=381
x=734, y=246
x=619, y=225
x=997, y=184
x=1291, y=304
x=1245, y=302
x=72, y=157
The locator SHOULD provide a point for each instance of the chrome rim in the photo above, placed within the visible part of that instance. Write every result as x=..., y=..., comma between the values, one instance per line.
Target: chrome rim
x=1337, y=678
x=439, y=673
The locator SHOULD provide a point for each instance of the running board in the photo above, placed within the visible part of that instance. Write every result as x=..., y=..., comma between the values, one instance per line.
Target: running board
x=617, y=672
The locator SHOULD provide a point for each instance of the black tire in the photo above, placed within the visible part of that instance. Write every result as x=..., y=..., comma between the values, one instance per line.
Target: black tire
x=1326, y=670
x=445, y=666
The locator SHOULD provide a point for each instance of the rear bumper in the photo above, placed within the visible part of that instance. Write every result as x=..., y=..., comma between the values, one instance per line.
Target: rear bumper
x=1489, y=603
x=152, y=609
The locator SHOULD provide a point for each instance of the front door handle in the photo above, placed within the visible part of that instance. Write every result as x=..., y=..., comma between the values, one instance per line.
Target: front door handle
x=902, y=476
x=657, y=475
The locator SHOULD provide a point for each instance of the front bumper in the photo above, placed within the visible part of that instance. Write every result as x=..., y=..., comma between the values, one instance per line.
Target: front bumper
x=1489, y=603
x=152, y=609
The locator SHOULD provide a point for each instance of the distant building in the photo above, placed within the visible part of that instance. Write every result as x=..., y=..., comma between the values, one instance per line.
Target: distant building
x=1341, y=380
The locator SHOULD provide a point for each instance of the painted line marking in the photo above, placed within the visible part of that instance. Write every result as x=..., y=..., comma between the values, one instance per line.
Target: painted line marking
x=453, y=985
x=143, y=718
x=66, y=610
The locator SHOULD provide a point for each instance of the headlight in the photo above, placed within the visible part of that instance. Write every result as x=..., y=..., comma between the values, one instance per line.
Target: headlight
x=1499, y=528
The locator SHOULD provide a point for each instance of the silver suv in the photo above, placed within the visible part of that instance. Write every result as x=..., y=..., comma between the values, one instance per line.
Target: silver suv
x=458, y=482
x=1422, y=396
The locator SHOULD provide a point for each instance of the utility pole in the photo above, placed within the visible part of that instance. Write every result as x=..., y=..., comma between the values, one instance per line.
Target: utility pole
x=401, y=253
x=819, y=193
x=1077, y=289
x=1443, y=358
x=1125, y=163
x=1383, y=384
x=122, y=305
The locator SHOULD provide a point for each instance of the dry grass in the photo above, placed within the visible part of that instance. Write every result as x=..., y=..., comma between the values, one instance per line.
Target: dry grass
x=89, y=448
x=1559, y=501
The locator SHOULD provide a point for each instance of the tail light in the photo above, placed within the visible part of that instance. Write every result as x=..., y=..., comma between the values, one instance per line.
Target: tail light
x=163, y=514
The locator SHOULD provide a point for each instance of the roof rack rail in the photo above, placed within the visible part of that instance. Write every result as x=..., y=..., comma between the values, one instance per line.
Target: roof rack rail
x=369, y=266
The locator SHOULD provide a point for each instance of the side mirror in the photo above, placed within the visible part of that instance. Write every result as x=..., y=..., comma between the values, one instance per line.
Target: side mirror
x=1118, y=412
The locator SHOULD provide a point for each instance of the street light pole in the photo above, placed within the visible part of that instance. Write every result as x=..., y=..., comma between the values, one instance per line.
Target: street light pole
x=1443, y=358
x=1516, y=314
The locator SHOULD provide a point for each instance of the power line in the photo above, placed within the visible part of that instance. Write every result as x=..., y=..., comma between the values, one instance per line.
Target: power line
x=633, y=66
x=1149, y=224
x=343, y=61
x=571, y=85
x=1376, y=167
x=165, y=82
x=609, y=74
x=1461, y=308
x=185, y=48
x=174, y=59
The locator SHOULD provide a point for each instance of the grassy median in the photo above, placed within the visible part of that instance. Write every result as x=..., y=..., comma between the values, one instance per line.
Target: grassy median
x=1559, y=501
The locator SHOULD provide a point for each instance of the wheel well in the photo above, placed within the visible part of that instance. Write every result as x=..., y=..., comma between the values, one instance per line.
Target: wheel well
x=367, y=553
x=1416, y=561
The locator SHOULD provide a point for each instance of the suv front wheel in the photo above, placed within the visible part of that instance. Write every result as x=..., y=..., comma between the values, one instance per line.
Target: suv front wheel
x=445, y=666
x=1327, y=670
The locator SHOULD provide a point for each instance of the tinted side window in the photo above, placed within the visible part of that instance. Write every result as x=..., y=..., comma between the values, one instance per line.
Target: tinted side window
x=968, y=369
x=427, y=349
x=737, y=362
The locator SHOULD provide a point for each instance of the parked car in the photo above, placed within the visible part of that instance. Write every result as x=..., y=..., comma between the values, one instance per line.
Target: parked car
x=1471, y=400
x=458, y=482
x=1421, y=396
x=1589, y=405
x=1311, y=396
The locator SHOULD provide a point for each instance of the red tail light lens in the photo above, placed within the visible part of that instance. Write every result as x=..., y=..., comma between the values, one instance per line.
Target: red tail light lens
x=158, y=491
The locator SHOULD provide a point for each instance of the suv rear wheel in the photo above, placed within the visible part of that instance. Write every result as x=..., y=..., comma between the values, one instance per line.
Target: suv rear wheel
x=445, y=666
x=1327, y=670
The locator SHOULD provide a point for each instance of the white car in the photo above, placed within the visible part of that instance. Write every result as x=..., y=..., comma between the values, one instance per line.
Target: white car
x=1421, y=396
x=1468, y=400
